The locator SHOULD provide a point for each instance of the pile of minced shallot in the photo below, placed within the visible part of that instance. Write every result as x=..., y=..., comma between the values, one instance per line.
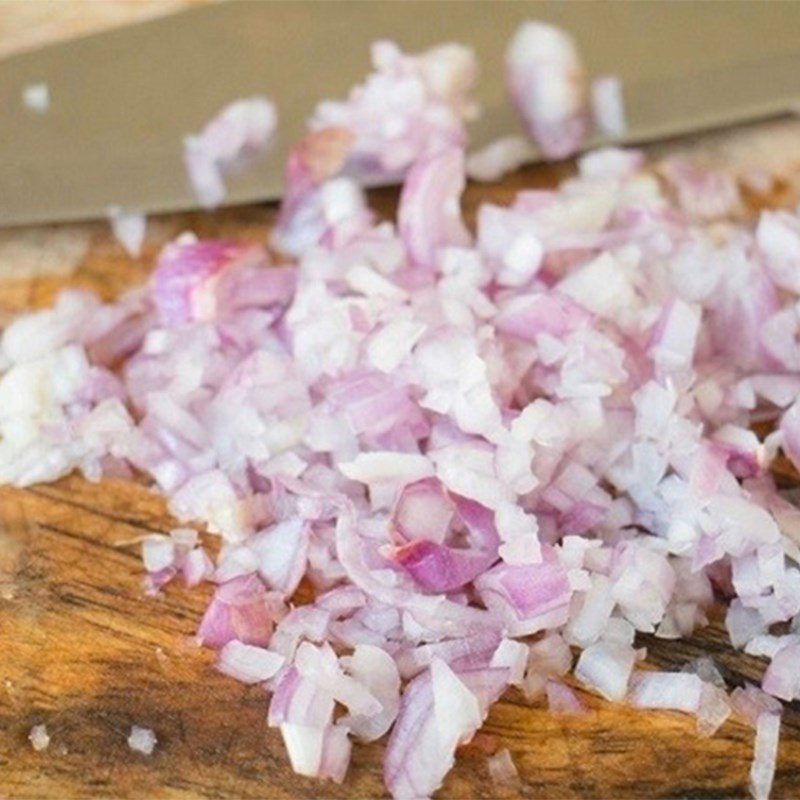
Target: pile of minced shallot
x=496, y=454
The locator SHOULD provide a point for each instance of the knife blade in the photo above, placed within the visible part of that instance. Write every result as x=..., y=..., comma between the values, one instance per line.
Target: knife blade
x=123, y=100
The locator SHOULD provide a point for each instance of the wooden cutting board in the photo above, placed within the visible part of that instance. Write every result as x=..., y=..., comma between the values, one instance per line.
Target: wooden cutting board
x=84, y=651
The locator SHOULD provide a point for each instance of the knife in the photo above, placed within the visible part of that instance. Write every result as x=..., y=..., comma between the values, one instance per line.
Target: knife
x=122, y=101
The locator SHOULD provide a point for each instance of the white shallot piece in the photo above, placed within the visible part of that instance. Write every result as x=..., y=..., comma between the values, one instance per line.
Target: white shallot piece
x=142, y=740
x=498, y=158
x=129, y=227
x=240, y=131
x=408, y=108
x=39, y=738
x=423, y=442
x=549, y=87
x=247, y=663
x=36, y=97
x=608, y=105
x=503, y=770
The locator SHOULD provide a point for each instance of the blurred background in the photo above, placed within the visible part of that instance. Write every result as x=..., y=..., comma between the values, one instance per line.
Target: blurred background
x=28, y=23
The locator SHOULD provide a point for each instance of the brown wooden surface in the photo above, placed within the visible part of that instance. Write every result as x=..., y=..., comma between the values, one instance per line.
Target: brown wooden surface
x=85, y=652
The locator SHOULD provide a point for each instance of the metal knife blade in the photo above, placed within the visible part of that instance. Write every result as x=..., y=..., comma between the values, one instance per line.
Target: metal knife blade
x=123, y=100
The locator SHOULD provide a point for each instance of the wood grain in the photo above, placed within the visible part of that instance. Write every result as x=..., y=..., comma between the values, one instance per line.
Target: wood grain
x=84, y=651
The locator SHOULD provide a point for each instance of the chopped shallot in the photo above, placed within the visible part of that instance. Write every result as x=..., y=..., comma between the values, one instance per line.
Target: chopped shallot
x=247, y=663
x=680, y=691
x=39, y=737
x=502, y=769
x=36, y=97
x=409, y=108
x=563, y=700
x=236, y=133
x=422, y=441
x=608, y=106
x=766, y=755
x=548, y=85
x=440, y=710
x=129, y=228
x=606, y=667
x=142, y=740
x=498, y=158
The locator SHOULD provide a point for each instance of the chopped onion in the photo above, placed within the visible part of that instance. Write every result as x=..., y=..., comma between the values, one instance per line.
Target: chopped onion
x=196, y=567
x=377, y=672
x=429, y=216
x=317, y=752
x=502, y=769
x=514, y=656
x=548, y=86
x=608, y=105
x=750, y=703
x=36, y=97
x=782, y=678
x=129, y=228
x=158, y=552
x=188, y=282
x=236, y=133
x=142, y=740
x=440, y=709
x=240, y=609
x=528, y=598
x=408, y=109
x=247, y=663
x=421, y=445
x=765, y=755
x=39, y=738
x=670, y=690
x=714, y=709
x=500, y=157
x=702, y=192
x=562, y=700
x=606, y=667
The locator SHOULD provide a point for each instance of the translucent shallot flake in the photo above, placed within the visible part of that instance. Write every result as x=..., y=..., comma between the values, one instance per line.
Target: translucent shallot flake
x=39, y=737
x=142, y=740
x=129, y=228
x=36, y=97
x=502, y=769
